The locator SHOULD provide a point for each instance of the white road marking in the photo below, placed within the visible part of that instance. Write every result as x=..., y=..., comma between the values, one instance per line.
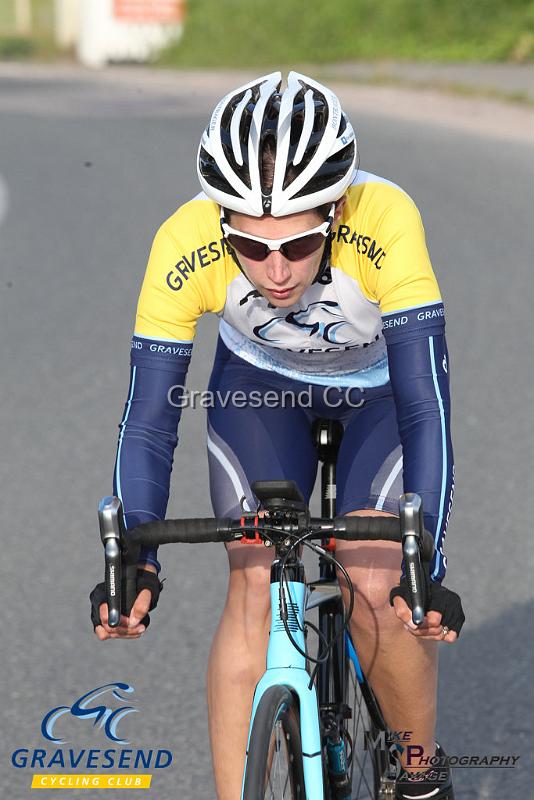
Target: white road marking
x=4, y=199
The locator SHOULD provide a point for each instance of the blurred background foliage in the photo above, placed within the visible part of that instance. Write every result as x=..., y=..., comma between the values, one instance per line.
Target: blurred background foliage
x=29, y=36
x=263, y=33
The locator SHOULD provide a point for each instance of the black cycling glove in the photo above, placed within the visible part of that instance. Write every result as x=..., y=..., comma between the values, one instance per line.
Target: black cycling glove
x=145, y=580
x=440, y=599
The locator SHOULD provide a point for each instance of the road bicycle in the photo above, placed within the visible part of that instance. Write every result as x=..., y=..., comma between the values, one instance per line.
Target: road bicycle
x=316, y=728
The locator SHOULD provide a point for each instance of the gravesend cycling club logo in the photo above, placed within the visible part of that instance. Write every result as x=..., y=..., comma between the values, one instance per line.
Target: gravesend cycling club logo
x=97, y=714
x=323, y=320
x=103, y=716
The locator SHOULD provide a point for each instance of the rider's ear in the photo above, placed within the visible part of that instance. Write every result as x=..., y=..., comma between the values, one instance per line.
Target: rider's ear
x=340, y=204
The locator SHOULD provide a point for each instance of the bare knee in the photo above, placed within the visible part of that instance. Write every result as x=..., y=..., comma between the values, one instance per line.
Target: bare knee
x=249, y=584
x=374, y=568
x=240, y=644
x=371, y=592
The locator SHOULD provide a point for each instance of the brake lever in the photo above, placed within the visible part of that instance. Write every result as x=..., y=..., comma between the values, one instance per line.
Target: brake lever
x=111, y=522
x=412, y=527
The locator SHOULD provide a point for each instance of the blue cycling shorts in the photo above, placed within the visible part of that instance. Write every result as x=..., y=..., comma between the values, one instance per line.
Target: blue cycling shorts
x=260, y=428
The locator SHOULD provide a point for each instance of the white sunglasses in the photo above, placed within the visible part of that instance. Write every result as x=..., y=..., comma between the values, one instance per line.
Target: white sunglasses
x=294, y=248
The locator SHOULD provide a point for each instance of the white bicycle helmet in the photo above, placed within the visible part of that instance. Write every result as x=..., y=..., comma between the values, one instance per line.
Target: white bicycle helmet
x=314, y=143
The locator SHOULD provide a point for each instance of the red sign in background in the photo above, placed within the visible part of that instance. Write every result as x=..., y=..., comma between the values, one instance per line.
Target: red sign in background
x=149, y=10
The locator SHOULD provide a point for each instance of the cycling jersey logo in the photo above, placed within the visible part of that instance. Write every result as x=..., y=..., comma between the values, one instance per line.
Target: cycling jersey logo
x=444, y=363
x=108, y=717
x=365, y=245
x=321, y=320
x=195, y=261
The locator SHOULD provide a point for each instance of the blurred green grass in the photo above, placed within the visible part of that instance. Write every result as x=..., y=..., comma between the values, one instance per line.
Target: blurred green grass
x=265, y=33
x=38, y=42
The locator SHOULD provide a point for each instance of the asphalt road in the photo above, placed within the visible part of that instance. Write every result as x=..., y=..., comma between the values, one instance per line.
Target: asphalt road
x=88, y=170
x=510, y=81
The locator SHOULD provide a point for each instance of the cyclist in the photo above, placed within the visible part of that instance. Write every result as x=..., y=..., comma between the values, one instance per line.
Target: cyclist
x=320, y=275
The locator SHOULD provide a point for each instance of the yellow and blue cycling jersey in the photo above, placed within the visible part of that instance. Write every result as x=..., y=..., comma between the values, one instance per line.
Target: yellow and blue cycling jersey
x=379, y=265
x=373, y=318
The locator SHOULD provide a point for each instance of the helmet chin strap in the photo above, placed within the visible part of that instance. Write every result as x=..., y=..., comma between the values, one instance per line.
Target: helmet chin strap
x=236, y=261
x=325, y=260
x=233, y=253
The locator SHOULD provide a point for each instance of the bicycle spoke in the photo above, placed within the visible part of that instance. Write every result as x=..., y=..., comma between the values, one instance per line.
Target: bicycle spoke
x=278, y=775
x=361, y=769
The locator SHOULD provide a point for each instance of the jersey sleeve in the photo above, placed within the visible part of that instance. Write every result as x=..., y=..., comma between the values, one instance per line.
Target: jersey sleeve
x=148, y=432
x=186, y=276
x=165, y=311
x=404, y=278
x=419, y=372
x=413, y=321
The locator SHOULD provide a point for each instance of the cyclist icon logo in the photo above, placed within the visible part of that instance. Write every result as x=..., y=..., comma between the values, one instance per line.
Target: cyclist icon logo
x=321, y=320
x=107, y=717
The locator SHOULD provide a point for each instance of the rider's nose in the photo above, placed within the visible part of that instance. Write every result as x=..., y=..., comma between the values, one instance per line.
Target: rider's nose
x=278, y=269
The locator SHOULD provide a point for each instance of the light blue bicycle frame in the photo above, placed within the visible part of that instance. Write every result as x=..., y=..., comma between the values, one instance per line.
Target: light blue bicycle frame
x=287, y=667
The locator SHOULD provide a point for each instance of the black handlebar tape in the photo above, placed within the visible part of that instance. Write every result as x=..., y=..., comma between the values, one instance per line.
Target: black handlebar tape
x=377, y=529
x=199, y=531
x=427, y=546
x=184, y=531
x=370, y=528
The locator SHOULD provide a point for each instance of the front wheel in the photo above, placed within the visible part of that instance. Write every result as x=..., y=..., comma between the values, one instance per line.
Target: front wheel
x=274, y=769
x=370, y=769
